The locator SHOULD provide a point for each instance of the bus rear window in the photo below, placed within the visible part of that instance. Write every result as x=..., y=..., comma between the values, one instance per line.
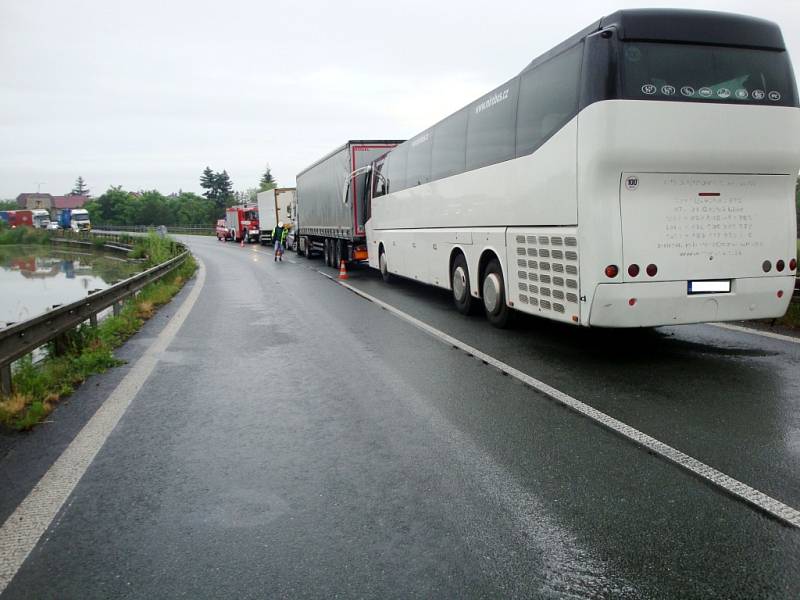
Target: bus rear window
x=691, y=73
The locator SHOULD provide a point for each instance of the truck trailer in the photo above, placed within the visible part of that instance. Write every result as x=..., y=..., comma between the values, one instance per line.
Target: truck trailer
x=17, y=218
x=332, y=206
x=277, y=205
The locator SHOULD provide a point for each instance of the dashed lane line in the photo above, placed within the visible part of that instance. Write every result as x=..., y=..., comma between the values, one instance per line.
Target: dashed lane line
x=735, y=488
x=768, y=334
x=23, y=529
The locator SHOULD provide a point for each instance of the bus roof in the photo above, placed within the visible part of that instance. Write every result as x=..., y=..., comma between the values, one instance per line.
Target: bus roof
x=681, y=26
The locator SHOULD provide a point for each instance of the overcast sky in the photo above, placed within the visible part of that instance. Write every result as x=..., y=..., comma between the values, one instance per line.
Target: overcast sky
x=145, y=94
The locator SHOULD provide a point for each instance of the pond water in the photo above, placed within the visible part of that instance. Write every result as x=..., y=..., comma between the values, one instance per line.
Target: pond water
x=34, y=278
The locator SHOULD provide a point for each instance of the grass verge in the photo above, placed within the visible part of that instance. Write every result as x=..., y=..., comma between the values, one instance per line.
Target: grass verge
x=90, y=350
x=23, y=235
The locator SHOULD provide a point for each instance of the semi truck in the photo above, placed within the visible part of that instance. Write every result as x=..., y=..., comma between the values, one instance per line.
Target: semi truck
x=242, y=223
x=17, y=218
x=277, y=205
x=333, y=203
x=76, y=219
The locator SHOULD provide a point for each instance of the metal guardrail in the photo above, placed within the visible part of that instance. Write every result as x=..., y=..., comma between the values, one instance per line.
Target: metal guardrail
x=22, y=338
x=179, y=229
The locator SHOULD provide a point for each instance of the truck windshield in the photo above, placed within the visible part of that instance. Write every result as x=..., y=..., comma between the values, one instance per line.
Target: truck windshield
x=686, y=72
x=80, y=217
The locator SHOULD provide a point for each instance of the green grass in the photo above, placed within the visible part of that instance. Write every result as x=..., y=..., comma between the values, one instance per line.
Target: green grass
x=154, y=248
x=89, y=350
x=23, y=235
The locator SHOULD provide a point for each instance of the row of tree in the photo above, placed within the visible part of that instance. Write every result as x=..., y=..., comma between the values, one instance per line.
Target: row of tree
x=120, y=207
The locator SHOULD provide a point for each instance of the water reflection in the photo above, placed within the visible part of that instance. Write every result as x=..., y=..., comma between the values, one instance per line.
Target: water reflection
x=34, y=278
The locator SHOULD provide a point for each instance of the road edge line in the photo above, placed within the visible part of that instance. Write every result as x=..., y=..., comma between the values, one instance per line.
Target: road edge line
x=735, y=488
x=29, y=521
x=766, y=334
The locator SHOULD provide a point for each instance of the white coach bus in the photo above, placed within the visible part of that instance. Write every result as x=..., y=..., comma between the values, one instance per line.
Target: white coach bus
x=641, y=173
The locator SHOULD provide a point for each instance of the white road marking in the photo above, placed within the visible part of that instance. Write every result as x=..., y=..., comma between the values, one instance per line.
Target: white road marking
x=769, y=334
x=21, y=532
x=735, y=488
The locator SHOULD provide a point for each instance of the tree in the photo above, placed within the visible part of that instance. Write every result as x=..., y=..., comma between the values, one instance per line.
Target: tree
x=207, y=181
x=80, y=188
x=267, y=181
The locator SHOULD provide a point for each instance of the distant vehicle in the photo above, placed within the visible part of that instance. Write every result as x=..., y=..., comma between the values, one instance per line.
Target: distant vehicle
x=242, y=223
x=222, y=230
x=275, y=206
x=76, y=219
x=17, y=218
x=41, y=218
x=641, y=173
x=327, y=221
x=53, y=225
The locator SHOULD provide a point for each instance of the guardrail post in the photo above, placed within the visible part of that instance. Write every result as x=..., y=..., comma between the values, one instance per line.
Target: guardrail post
x=60, y=345
x=93, y=320
x=5, y=379
x=117, y=308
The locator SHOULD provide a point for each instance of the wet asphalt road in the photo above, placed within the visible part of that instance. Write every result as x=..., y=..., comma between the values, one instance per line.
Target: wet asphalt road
x=297, y=440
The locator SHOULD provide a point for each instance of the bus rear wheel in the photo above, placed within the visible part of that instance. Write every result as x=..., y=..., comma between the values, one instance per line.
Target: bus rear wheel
x=494, y=295
x=462, y=292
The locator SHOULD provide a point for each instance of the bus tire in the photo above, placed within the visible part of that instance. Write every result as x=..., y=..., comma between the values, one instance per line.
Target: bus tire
x=459, y=284
x=494, y=295
x=383, y=265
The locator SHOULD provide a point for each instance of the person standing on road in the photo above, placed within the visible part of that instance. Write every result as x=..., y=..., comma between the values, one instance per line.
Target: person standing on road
x=278, y=236
x=283, y=238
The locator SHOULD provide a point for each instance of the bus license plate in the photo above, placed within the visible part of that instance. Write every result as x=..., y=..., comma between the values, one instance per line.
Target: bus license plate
x=710, y=287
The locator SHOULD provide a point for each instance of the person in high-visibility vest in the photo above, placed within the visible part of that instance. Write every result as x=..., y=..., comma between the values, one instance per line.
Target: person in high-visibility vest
x=279, y=236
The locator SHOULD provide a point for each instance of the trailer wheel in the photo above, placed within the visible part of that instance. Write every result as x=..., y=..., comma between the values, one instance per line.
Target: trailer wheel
x=339, y=253
x=308, y=249
x=494, y=295
x=459, y=280
x=326, y=253
x=383, y=263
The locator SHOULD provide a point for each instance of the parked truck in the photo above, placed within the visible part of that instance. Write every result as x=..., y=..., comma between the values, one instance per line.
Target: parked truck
x=76, y=219
x=41, y=218
x=332, y=206
x=17, y=218
x=242, y=223
x=278, y=205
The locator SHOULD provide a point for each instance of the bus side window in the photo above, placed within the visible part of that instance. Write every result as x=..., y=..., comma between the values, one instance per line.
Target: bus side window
x=449, y=146
x=396, y=168
x=419, y=159
x=490, y=131
x=548, y=99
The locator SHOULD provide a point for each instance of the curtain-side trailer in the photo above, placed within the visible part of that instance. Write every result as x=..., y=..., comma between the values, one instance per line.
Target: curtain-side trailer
x=325, y=222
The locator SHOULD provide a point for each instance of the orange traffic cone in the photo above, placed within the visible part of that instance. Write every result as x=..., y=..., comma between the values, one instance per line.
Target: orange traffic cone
x=342, y=271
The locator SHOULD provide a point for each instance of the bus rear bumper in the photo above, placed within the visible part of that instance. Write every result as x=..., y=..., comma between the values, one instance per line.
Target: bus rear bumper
x=668, y=302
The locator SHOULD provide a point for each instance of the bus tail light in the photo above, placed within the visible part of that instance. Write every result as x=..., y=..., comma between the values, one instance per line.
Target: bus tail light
x=766, y=266
x=652, y=270
x=780, y=265
x=632, y=302
x=633, y=270
x=780, y=293
x=612, y=271
x=793, y=264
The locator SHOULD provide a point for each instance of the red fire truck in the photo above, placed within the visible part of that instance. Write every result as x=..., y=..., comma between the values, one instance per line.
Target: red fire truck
x=242, y=223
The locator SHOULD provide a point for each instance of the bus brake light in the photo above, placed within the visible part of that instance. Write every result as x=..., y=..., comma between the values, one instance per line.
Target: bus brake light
x=780, y=265
x=652, y=270
x=793, y=264
x=612, y=271
x=633, y=270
